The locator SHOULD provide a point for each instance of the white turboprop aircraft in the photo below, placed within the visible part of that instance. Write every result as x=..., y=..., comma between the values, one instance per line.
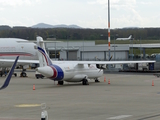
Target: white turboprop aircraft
x=12, y=47
x=72, y=71
x=129, y=38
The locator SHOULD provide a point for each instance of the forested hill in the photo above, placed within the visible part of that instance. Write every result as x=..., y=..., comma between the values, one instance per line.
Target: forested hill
x=79, y=34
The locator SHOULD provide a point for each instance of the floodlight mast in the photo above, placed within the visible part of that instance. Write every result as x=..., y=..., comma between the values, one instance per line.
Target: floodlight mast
x=109, y=28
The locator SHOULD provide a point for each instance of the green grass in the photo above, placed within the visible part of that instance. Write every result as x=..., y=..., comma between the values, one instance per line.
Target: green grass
x=135, y=51
x=127, y=41
x=112, y=41
x=73, y=40
x=147, y=51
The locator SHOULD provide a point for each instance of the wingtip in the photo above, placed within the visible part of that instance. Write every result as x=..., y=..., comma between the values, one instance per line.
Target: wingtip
x=8, y=78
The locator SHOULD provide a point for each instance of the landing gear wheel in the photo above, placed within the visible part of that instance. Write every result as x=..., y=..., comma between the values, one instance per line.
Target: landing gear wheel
x=96, y=80
x=85, y=82
x=23, y=74
x=15, y=74
x=60, y=82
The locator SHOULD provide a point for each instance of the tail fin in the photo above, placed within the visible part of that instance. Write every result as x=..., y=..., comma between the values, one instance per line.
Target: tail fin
x=130, y=37
x=43, y=56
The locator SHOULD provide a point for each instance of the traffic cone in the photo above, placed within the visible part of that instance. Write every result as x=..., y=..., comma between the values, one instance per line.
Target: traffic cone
x=104, y=78
x=109, y=81
x=152, y=83
x=33, y=87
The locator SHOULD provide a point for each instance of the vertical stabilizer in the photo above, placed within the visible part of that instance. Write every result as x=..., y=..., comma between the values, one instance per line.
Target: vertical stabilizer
x=42, y=54
x=130, y=37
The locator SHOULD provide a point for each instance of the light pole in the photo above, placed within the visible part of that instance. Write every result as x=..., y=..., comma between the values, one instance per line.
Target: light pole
x=140, y=47
x=132, y=48
x=115, y=46
x=109, y=31
x=83, y=48
x=67, y=47
x=55, y=50
x=114, y=49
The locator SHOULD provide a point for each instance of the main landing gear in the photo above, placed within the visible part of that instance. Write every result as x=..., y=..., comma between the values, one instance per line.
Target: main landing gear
x=23, y=73
x=85, y=82
x=60, y=82
x=97, y=80
x=5, y=71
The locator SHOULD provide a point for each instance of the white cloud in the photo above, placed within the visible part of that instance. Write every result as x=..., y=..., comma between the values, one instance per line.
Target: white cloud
x=113, y=2
x=145, y=3
x=124, y=13
x=10, y=22
x=134, y=19
x=17, y=2
x=100, y=22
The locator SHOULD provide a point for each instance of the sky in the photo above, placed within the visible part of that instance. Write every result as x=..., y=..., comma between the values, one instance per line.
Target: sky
x=84, y=13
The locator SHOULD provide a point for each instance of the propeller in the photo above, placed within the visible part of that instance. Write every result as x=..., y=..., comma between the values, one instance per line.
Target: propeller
x=106, y=65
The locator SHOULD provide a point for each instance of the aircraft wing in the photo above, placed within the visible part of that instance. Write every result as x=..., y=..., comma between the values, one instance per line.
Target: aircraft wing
x=19, y=61
x=114, y=62
x=83, y=62
x=8, y=78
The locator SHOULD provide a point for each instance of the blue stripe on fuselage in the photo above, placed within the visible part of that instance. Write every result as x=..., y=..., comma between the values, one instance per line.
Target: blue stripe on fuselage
x=60, y=73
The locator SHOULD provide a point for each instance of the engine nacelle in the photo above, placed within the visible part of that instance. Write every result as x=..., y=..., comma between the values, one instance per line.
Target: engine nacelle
x=46, y=71
x=101, y=66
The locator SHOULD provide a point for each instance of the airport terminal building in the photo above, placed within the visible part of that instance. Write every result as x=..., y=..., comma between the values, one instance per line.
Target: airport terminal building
x=86, y=50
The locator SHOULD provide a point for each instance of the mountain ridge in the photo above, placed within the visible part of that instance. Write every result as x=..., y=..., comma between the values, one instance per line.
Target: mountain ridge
x=44, y=25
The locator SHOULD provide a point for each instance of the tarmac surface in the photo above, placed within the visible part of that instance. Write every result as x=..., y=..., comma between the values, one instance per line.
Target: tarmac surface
x=128, y=97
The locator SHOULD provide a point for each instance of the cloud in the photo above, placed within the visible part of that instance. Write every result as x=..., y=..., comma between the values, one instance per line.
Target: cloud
x=123, y=13
x=5, y=21
x=120, y=2
x=115, y=3
x=134, y=19
x=14, y=3
x=100, y=22
x=145, y=3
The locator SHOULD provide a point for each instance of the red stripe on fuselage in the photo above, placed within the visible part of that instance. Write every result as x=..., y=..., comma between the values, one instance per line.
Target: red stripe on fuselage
x=16, y=55
x=55, y=73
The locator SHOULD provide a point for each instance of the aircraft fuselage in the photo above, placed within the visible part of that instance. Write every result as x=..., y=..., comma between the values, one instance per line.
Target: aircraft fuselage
x=12, y=47
x=70, y=71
